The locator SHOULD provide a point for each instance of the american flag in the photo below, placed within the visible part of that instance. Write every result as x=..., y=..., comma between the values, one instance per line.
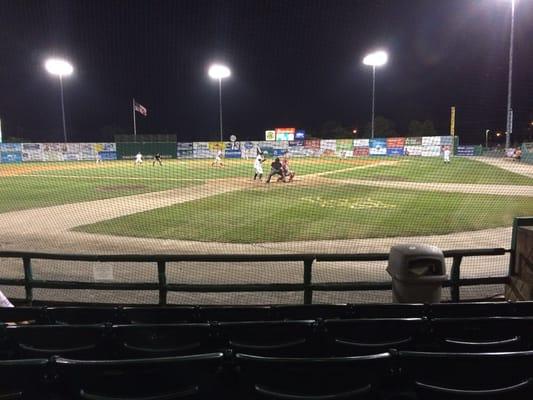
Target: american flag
x=140, y=109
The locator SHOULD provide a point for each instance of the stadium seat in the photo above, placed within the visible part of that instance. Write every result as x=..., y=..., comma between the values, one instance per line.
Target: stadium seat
x=163, y=378
x=158, y=315
x=465, y=310
x=162, y=340
x=23, y=379
x=84, y=341
x=374, y=335
x=523, y=308
x=82, y=315
x=389, y=310
x=235, y=313
x=312, y=378
x=312, y=311
x=482, y=334
x=484, y=376
x=31, y=315
x=269, y=337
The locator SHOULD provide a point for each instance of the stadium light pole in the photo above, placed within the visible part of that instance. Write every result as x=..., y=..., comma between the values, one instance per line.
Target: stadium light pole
x=219, y=72
x=60, y=68
x=509, y=126
x=375, y=59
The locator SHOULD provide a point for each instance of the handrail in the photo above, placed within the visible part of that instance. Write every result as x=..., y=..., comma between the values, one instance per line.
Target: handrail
x=306, y=285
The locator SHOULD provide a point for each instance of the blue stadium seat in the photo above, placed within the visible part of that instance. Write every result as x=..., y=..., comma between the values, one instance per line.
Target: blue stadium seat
x=269, y=337
x=82, y=315
x=158, y=315
x=465, y=310
x=312, y=311
x=374, y=335
x=163, y=378
x=162, y=340
x=483, y=334
x=23, y=379
x=450, y=376
x=31, y=315
x=312, y=378
x=26, y=341
x=235, y=313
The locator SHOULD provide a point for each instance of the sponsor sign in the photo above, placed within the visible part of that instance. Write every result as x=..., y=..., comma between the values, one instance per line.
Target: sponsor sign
x=378, y=147
x=107, y=155
x=361, y=142
x=446, y=140
x=412, y=150
x=430, y=151
x=431, y=141
x=32, y=152
x=9, y=157
x=328, y=144
x=232, y=153
x=270, y=135
x=285, y=133
x=413, y=141
x=296, y=143
x=398, y=142
x=395, y=151
x=10, y=147
x=361, y=151
x=344, y=144
x=215, y=146
x=299, y=134
x=200, y=145
x=312, y=143
x=465, y=150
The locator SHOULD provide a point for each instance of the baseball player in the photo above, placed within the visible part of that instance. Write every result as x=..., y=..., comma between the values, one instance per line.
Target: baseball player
x=157, y=158
x=258, y=167
x=139, y=159
x=275, y=170
x=446, y=154
x=218, y=160
x=286, y=171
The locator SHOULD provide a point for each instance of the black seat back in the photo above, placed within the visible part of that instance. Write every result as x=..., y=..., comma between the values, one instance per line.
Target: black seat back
x=82, y=315
x=158, y=315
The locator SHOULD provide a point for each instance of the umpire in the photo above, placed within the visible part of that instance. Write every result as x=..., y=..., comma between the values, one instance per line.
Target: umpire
x=275, y=169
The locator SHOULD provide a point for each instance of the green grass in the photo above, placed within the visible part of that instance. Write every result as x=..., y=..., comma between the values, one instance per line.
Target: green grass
x=23, y=192
x=287, y=213
x=460, y=170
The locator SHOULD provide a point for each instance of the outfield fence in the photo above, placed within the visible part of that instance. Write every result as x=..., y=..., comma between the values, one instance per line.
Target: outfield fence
x=306, y=285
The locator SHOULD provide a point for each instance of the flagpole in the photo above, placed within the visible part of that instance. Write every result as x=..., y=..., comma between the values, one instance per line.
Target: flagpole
x=134, y=122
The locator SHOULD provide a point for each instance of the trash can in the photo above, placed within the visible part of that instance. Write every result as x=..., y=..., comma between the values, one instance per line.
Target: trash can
x=417, y=272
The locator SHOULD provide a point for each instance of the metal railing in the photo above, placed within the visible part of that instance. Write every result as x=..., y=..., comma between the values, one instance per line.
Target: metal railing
x=455, y=282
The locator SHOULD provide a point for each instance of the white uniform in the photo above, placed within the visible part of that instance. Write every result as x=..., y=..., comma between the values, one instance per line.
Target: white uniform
x=139, y=158
x=446, y=155
x=258, y=166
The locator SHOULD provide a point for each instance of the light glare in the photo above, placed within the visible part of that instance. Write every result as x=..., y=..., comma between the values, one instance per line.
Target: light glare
x=376, y=59
x=57, y=66
x=219, y=71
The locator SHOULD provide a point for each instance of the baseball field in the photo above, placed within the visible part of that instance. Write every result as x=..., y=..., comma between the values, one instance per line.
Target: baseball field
x=330, y=198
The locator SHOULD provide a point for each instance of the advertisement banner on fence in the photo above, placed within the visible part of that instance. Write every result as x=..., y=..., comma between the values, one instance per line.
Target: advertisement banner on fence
x=430, y=151
x=465, y=150
x=412, y=150
x=202, y=153
x=431, y=141
x=446, y=140
x=361, y=151
x=105, y=147
x=107, y=155
x=184, y=146
x=232, y=153
x=10, y=157
x=395, y=142
x=216, y=146
x=11, y=147
x=200, y=145
x=413, y=141
x=87, y=151
x=71, y=156
x=54, y=151
x=378, y=147
x=344, y=144
x=312, y=143
x=361, y=143
x=395, y=151
x=296, y=143
x=328, y=144
x=32, y=152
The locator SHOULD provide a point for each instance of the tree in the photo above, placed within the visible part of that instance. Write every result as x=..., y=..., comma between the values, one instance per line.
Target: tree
x=418, y=128
x=333, y=130
x=383, y=127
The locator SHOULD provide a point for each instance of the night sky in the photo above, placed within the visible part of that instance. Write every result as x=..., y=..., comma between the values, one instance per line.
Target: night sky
x=294, y=63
